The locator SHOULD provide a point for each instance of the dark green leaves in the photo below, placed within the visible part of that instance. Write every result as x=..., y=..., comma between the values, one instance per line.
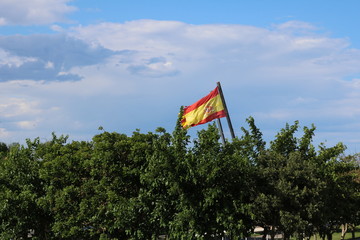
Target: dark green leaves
x=145, y=185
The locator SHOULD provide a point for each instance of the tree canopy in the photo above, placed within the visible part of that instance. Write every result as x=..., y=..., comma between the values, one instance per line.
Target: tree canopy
x=150, y=184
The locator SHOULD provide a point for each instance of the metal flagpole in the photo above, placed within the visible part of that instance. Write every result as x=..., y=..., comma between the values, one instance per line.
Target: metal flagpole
x=226, y=111
x=221, y=131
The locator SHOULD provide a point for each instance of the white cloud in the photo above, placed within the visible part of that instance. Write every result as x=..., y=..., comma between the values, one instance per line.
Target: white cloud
x=227, y=49
x=13, y=107
x=2, y=21
x=24, y=12
x=46, y=57
x=49, y=64
x=4, y=134
x=277, y=58
x=12, y=61
x=295, y=26
x=27, y=124
x=57, y=28
x=137, y=74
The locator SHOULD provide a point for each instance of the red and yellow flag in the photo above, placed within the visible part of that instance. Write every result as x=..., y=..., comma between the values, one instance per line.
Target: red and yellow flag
x=205, y=110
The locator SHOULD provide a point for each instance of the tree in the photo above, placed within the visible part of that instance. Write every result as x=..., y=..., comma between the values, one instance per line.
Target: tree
x=66, y=185
x=20, y=189
x=3, y=149
x=340, y=198
x=145, y=185
x=290, y=183
x=213, y=186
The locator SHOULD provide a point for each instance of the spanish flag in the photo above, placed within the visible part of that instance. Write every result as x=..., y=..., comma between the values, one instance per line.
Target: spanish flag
x=205, y=110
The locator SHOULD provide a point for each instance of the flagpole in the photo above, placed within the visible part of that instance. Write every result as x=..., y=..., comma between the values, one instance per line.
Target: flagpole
x=221, y=131
x=226, y=111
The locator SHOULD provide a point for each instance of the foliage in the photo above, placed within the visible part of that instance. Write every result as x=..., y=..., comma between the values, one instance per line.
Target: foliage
x=20, y=189
x=150, y=184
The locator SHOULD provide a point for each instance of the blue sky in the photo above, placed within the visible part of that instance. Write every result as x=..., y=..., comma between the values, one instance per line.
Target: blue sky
x=72, y=66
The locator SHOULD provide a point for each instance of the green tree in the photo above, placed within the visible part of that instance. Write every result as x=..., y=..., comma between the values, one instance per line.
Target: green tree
x=160, y=184
x=145, y=185
x=20, y=189
x=64, y=175
x=340, y=197
x=213, y=188
x=291, y=184
x=3, y=149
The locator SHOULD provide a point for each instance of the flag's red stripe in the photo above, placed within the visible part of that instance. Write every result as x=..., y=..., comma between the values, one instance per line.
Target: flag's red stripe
x=219, y=114
x=205, y=99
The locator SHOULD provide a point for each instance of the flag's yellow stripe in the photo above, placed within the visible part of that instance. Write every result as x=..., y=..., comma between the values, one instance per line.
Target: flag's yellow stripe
x=200, y=113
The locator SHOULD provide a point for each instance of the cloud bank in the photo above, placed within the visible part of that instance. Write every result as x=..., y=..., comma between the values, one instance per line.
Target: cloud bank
x=46, y=57
x=137, y=74
x=23, y=12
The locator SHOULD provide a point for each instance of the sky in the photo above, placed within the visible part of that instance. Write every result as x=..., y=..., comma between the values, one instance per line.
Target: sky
x=70, y=67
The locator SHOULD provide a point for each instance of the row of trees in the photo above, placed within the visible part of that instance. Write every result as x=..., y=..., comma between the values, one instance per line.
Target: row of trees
x=146, y=185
